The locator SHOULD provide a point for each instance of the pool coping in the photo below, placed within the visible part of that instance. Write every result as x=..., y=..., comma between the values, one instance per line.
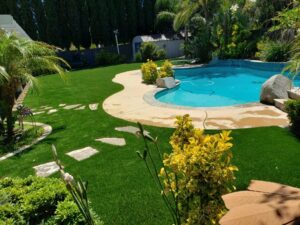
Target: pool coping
x=136, y=103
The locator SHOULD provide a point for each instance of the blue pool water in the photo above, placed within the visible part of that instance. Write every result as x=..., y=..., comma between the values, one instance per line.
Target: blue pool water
x=214, y=86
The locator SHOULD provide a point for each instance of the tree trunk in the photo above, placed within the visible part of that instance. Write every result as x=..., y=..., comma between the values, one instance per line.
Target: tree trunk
x=10, y=125
x=9, y=98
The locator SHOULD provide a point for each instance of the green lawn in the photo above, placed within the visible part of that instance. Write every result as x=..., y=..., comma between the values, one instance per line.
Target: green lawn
x=120, y=188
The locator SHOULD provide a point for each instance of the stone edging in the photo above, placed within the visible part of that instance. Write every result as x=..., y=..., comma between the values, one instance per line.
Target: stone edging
x=22, y=96
x=47, y=130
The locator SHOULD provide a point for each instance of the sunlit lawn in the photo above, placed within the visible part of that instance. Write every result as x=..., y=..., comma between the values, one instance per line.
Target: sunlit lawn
x=120, y=188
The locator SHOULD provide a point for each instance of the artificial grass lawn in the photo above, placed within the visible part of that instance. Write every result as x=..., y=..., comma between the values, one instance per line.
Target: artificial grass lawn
x=120, y=188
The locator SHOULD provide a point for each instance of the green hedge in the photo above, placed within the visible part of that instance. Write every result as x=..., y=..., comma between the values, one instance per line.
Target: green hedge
x=36, y=200
x=293, y=110
x=104, y=58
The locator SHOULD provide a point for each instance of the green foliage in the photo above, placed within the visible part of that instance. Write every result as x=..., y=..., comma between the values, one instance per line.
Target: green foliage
x=78, y=191
x=34, y=200
x=19, y=60
x=293, y=110
x=166, y=70
x=138, y=57
x=288, y=22
x=149, y=72
x=199, y=46
x=105, y=58
x=273, y=51
x=150, y=51
x=195, y=175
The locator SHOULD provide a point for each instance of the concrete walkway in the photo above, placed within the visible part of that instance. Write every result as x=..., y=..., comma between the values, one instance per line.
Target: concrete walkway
x=134, y=103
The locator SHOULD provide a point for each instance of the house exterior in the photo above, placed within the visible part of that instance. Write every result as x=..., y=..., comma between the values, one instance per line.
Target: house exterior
x=172, y=44
x=8, y=24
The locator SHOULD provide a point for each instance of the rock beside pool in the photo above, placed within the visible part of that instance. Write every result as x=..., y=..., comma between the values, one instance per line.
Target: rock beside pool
x=167, y=82
x=276, y=87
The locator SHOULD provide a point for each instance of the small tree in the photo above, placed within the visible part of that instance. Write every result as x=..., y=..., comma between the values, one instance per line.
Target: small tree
x=19, y=60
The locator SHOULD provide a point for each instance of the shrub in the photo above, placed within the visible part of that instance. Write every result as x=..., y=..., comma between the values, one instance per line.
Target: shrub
x=105, y=58
x=293, y=110
x=195, y=175
x=150, y=51
x=138, y=57
x=161, y=54
x=34, y=200
x=166, y=70
x=273, y=51
x=149, y=72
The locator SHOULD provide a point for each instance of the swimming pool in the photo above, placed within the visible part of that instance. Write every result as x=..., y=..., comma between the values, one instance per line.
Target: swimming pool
x=222, y=84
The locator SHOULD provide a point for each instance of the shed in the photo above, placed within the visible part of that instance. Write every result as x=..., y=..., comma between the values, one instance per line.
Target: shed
x=172, y=43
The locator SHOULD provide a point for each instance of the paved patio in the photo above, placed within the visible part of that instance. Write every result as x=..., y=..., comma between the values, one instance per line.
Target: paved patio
x=136, y=103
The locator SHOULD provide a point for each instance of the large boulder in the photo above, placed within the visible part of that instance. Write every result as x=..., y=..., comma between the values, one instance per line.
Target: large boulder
x=167, y=82
x=276, y=87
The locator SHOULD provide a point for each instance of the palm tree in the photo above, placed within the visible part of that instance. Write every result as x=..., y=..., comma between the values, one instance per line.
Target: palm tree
x=188, y=8
x=20, y=59
x=166, y=12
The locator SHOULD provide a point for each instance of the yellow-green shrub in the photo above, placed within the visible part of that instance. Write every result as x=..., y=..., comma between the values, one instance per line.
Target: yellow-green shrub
x=166, y=70
x=198, y=172
x=149, y=72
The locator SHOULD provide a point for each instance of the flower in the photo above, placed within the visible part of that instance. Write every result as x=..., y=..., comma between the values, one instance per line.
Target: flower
x=68, y=178
x=234, y=7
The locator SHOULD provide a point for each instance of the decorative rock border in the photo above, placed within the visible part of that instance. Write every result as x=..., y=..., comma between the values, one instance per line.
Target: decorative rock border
x=21, y=96
x=47, y=130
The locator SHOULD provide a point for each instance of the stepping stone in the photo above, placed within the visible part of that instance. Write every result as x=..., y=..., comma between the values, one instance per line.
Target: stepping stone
x=52, y=111
x=82, y=154
x=47, y=108
x=45, y=170
x=72, y=106
x=62, y=105
x=130, y=129
x=113, y=141
x=80, y=108
x=93, y=107
x=37, y=113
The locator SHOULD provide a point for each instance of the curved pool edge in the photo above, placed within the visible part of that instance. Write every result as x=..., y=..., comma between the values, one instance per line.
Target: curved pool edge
x=130, y=104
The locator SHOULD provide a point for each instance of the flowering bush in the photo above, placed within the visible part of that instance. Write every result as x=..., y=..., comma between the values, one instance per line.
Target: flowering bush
x=166, y=70
x=149, y=72
x=199, y=172
x=195, y=175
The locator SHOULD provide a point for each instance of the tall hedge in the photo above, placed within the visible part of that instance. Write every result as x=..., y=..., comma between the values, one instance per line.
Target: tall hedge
x=82, y=22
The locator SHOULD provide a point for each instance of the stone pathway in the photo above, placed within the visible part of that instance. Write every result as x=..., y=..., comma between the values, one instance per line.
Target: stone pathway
x=130, y=129
x=94, y=106
x=113, y=141
x=45, y=170
x=46, y=107
x=37, y=113
x=80, y=108
x=51, y=111
x=82, y=154
x=62, y=105
x=72, y=106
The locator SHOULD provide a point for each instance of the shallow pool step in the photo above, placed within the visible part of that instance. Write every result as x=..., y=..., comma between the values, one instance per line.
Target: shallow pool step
x=279, y=103
x=294, y=93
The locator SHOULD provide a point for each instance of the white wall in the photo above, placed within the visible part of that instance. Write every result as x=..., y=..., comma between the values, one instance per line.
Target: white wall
x=173, y=48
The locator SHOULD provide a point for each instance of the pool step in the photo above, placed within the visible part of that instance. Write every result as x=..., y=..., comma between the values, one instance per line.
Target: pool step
x=294, y=93
x=279, y=103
